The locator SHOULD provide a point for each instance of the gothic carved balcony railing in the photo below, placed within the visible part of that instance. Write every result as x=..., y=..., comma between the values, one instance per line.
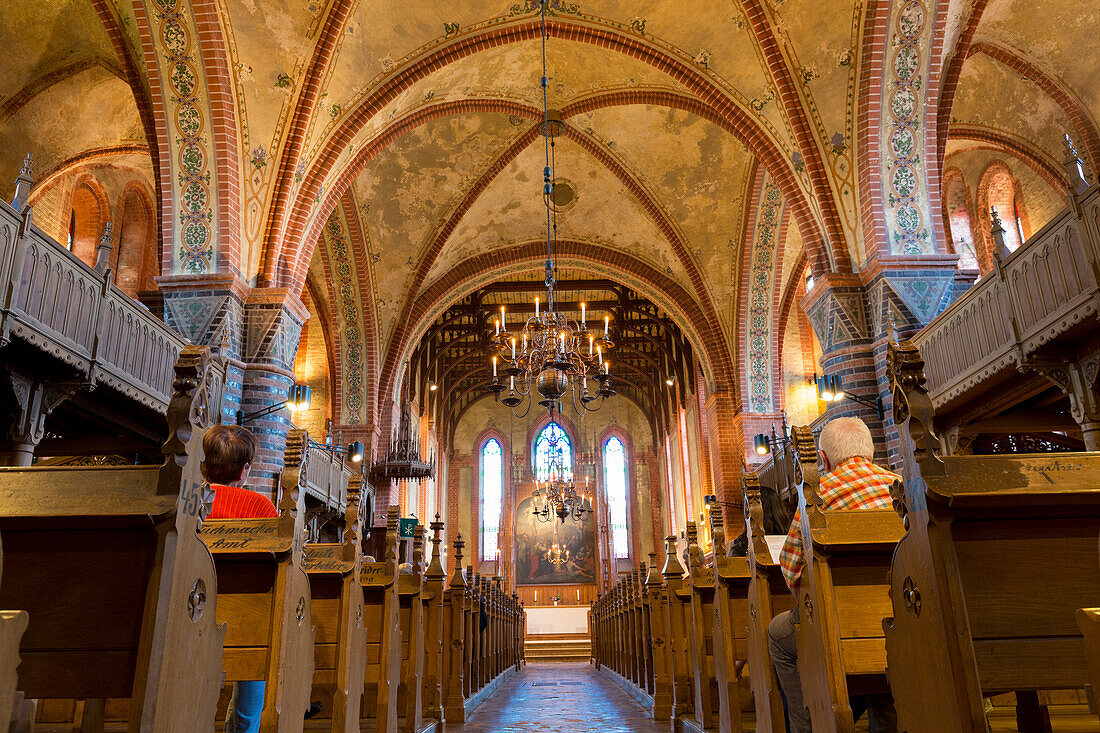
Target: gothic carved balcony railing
x=62, y=307
x=1045, y=292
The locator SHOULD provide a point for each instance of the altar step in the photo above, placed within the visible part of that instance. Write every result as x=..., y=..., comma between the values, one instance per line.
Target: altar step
x=558, y=648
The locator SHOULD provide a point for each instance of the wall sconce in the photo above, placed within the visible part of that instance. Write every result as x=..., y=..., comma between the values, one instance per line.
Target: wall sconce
x=830, y=388
x=297, y=399
x=353, y=451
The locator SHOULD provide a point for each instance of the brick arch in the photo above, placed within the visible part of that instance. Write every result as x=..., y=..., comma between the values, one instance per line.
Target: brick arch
x=223, y=125
x=949, y=80
x=955, y=194
x=996, y=185
x=292, y=216
x=89, y=204
x=134, y=260
x=1031, y=156
x=469, y=274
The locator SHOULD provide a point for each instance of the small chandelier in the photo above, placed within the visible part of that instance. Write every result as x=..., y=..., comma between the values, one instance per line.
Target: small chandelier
x=557, y=496
x=553, y=355
x=403, y=461
x=558, y=554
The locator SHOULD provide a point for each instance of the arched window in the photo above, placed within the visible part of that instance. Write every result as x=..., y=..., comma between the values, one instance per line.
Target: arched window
x=614, y=472
x=958, y=219
x=492, y=495
x=551, y=443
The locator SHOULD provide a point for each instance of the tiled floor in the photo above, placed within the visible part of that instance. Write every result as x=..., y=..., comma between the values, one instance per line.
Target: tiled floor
x=566, y=697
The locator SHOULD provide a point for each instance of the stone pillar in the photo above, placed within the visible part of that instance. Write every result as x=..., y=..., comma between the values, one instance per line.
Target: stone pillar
x=726, y=434
x=273, y=320
x=260, y=328
x=854, y=316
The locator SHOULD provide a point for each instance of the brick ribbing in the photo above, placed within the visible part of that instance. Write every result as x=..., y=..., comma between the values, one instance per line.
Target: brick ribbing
x=10, y=106
x=727, y=448
x=950, y=175
x=744, y=294
x=805, y=139
x=627, y=44
x=357, y=236
x=777, y=291
x=1021, y=149
x=80, y=162
x=794, y=292
x=223, y=129
x=872, y=87
x=534, y=252
x=142, y=93
x=949, y=80
x=295, y=138
x=159, y=141
x=1083, y=125
x=704, y=432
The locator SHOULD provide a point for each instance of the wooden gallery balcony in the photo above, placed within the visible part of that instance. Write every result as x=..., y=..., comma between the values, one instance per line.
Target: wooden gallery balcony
x=1018, y=354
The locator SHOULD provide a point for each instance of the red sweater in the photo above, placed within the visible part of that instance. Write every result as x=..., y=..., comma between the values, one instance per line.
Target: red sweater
x=232, y=502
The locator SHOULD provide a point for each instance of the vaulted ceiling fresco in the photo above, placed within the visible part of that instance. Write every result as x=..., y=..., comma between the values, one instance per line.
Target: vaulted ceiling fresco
x=406, y=134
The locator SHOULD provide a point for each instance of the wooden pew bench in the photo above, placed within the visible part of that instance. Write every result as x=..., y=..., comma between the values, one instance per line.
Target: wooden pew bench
x=119, y=588
x=336, y=608
x=410, y=585
x=768, y=596
x=730, y=621
x=1000, y=553
x=843, y=597
x=264, y=600
x=383, y=654
x=12, y=626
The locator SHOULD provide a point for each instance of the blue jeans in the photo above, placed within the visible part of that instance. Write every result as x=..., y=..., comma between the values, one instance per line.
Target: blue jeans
x=245, y=707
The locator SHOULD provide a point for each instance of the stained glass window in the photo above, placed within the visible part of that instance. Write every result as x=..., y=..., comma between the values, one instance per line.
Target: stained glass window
x=614, y=471
x=551, y=442
x=492, y=494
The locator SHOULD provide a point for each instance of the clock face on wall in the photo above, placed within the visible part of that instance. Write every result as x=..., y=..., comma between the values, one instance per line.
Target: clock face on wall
x=535, y=541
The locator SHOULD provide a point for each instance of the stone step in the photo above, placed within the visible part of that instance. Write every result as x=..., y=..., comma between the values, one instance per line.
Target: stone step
x=557, y=648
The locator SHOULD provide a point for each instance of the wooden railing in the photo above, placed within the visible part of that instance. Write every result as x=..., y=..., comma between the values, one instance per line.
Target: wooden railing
x=1042, y=292
x=327, y=475
x=53, y=301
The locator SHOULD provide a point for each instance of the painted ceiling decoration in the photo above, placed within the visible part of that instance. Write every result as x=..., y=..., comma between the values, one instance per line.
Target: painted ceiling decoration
x=385, y=151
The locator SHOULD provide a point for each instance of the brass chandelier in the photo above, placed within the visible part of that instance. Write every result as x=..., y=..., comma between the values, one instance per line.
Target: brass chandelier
x=557, y=497
x=552, y=355
x=558, y=555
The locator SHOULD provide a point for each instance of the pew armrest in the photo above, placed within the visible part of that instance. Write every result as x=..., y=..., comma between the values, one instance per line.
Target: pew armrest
x=63, y=491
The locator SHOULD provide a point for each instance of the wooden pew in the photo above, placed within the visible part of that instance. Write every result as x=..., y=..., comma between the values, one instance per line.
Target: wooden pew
x=999, y=554
x=264, y=599
x=119, y=588
x=768, y=596
x=730, y=626
x=1088, y=620
x=455, y=600
x=677, y=612
x=434, y=638
x=383, y=672
x=12, y=626
x=843, y=597
x=410, y=585
x=700, y=634
x=336, y=609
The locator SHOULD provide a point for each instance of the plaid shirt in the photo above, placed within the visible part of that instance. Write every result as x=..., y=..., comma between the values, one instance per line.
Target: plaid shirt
x=855, y=484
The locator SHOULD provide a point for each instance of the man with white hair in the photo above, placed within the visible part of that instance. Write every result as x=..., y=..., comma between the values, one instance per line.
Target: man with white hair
x=850, y=481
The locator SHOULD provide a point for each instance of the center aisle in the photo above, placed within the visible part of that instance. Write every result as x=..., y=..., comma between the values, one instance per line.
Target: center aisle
x=567, y=697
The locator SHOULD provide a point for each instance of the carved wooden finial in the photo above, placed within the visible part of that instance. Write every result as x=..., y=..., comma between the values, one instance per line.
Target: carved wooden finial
x=435, y=566
x=1000, y=249
x=23, y=183
x=1075, y=168
x=353, y=517
x=805, y=449
x=654, y=577
x=717, y=530
x=673, y=568
x=103, y=251
x=458, y=580
x=912, y=405
x=419, y=535
x=755, y=513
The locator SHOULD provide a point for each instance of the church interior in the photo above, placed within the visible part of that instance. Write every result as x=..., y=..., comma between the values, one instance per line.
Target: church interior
x=535, y=436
